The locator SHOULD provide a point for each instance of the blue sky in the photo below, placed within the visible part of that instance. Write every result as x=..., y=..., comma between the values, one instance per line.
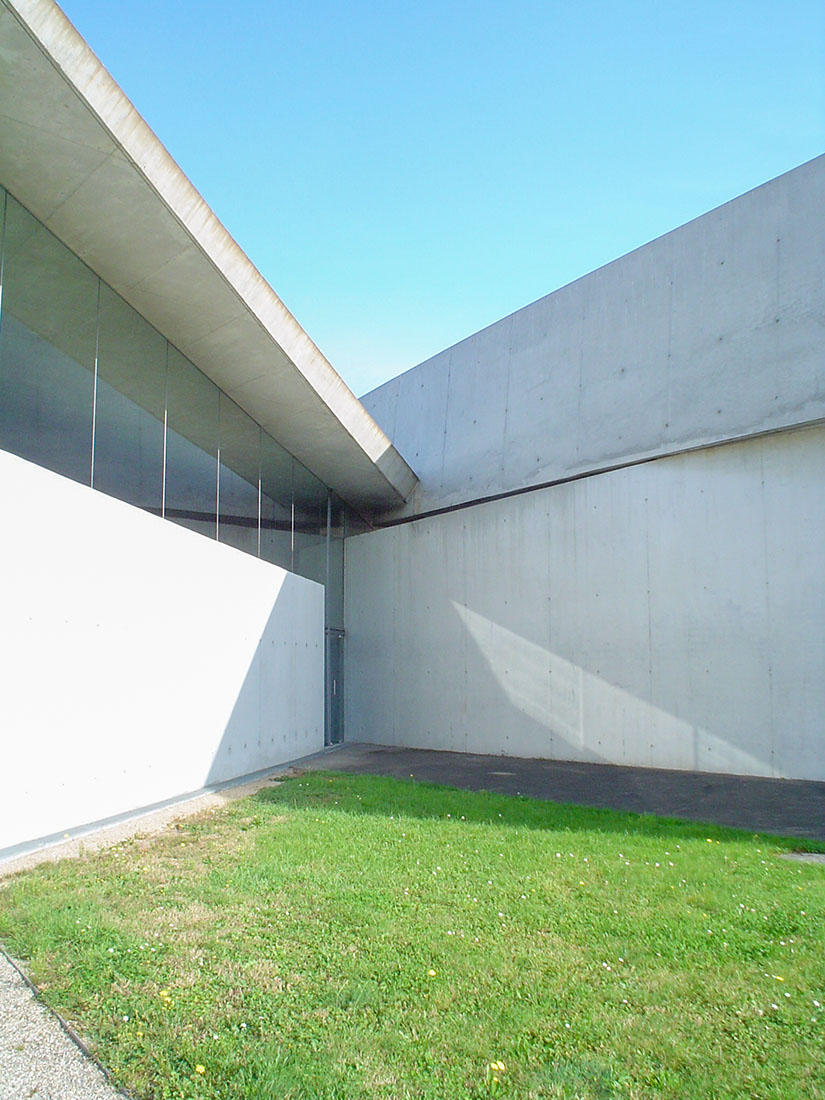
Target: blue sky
x=404, y=174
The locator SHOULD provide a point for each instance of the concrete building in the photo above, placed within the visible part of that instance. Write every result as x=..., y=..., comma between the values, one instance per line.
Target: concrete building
x=148, y=373
x=595, y=530
x=615, y=550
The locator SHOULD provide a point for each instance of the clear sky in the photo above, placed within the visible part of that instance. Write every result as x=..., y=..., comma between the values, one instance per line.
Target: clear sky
x=404, y=174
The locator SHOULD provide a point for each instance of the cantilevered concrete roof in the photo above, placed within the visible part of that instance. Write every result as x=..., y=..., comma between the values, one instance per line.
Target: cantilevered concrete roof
x=74, y=150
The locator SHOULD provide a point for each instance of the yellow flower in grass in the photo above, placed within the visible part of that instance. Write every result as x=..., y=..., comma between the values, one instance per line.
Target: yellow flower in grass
x=200, y=1069
x=494, y=1072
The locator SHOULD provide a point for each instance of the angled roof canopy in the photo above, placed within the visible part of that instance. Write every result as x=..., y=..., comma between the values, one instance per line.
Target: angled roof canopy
x=75, y=151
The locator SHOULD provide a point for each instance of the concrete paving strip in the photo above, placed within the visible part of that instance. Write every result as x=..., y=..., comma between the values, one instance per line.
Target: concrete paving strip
x=789, y=807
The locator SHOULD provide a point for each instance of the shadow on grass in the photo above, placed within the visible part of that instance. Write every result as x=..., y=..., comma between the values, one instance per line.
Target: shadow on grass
x=399, y=798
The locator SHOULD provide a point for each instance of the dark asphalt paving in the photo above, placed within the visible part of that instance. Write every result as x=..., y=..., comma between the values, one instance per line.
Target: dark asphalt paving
x=790, y=807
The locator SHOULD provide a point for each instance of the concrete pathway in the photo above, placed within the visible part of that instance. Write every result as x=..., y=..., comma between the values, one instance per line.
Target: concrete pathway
x=789, y=807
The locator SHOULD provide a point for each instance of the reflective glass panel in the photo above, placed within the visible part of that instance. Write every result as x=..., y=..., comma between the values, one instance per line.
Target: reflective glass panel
x=131, y=398
x=276, y=502
x=335, y=590
x=191, y=446
x=239, y=438
x=310, y=551
x=47, y=348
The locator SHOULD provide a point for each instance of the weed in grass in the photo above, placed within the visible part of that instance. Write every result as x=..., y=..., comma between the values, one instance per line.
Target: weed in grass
x=357, y=937
x=585, y=1079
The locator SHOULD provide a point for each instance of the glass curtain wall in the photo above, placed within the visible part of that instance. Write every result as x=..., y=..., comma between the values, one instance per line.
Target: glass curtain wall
x=130, y=405
x=48, y=333
x=89, y=389
x=310, y=526
x=239, y=454
x=192, y=419
x=277, y=503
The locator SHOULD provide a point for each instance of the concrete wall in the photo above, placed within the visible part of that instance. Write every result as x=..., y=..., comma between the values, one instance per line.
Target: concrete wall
x=712, y=332
x=670, y=614
x=139, y=661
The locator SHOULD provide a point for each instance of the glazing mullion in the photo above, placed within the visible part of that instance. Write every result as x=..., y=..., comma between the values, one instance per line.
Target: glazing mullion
x=3, y=251
x=94, y=387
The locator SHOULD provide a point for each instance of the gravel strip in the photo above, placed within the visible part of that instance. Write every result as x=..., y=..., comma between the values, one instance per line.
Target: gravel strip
x=38, y=1060
x=144, y=824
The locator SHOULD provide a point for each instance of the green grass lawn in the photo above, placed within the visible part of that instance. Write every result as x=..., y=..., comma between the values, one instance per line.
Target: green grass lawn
x=351, y=937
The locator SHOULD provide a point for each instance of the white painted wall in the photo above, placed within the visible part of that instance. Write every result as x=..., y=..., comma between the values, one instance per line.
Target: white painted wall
x=138, y=660
x=710, y=333
x=670, y=614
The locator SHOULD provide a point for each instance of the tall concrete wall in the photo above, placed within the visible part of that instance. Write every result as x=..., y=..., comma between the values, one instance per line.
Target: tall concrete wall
x=712, y=332
x=670, y=614
x=139, y=661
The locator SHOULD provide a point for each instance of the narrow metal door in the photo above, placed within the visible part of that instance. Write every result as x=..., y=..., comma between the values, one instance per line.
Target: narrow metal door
x=334, y=724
